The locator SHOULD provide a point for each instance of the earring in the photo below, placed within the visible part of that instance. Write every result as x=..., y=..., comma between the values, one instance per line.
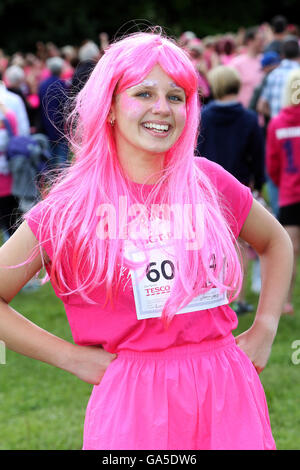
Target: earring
x=112, y=122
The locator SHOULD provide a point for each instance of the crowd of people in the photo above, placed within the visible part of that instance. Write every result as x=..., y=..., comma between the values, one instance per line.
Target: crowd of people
x=241, y=78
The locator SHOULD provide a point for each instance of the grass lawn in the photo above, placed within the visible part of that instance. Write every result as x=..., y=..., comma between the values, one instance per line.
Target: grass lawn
x=43, y=407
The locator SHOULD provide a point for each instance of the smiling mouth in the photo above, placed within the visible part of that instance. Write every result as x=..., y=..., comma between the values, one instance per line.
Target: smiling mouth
x=156, y=128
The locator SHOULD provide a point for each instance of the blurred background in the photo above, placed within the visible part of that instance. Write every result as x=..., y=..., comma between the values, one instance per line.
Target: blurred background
x=24, y=22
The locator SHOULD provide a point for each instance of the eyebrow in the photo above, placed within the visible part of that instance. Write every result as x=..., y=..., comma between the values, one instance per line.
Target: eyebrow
x=151, y=87
x=176, y=88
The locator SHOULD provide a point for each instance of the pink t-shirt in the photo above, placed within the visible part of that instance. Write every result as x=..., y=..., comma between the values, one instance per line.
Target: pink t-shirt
x=283, y=154
x=249, y=69
x=116, y=327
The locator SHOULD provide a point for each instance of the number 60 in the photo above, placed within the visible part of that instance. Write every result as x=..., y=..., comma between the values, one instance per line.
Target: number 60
x=153, y=275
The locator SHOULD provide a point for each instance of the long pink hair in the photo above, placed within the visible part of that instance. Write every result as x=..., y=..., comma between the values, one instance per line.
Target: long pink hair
x=96, y=177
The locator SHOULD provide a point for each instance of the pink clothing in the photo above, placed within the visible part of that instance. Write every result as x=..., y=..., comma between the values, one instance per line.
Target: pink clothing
x=6, y=179
x=204, y=396
x=116, y=333
x=202, y=82
x=3, y=64
x=33, y=100
x=249, y=69
x=203, y=85
x=67, y=72
x=10, y=115
x=207, y=54
x=226, y=59
x=283, y=154
x=188, y=387
x=5, y=185
x=44, y=74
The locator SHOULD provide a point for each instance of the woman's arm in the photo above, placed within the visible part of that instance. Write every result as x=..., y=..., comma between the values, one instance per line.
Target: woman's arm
x=21, y=335
x=274, y=248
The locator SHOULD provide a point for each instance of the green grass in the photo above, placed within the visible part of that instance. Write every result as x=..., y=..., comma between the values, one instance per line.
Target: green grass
x=42, y=407
x=281, y=378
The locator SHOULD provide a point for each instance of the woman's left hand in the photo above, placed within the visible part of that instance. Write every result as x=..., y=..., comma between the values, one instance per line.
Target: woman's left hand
x=257, y=341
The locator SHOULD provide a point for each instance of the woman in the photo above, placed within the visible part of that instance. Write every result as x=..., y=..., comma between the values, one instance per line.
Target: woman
x=133, y=233
x=283, y=164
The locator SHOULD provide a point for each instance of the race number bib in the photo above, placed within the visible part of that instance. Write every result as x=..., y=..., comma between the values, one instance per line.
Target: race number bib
x=152, y=285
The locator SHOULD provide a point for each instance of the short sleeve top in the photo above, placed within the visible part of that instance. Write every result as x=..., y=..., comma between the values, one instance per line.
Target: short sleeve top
x=115, y=326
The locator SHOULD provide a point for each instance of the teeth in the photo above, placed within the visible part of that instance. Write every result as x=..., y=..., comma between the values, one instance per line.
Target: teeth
x=157, y=127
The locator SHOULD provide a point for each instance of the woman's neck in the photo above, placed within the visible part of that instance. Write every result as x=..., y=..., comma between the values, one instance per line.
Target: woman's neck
x=141, y=167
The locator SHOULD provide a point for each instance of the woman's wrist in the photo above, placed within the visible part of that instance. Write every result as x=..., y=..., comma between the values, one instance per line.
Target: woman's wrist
x=87, y=362
x=267, y=323
x=68, y=357
x=74, y=359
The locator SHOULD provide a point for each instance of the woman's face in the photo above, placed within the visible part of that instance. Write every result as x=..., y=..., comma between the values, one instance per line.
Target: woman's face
x=149, y=117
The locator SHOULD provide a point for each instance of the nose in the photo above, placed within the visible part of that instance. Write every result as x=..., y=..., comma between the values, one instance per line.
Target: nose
x=161, y=106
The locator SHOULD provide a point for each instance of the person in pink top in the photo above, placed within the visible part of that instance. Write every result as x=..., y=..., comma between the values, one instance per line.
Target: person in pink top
x=8, y=203
x=68, y=53
x=248, y=65
x=283, y=165
x=195, y=50
x=138, y=238
x=226, y=50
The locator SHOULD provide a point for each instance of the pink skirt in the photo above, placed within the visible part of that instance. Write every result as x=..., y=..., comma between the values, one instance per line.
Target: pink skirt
x=198, y=396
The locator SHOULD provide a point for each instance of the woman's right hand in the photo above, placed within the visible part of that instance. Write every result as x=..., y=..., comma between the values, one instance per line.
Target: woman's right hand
x=90, y=363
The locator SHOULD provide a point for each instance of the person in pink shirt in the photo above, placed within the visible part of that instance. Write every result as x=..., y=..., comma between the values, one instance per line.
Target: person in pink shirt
x=210, y=54
x=139, y=240
x=248, y=65
x=283, y=165
x=8, y=203
x=227, y=50
x=3, y=61
x=69, y=55
x=195, y=49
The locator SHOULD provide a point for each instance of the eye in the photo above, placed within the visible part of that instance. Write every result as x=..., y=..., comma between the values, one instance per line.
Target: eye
x=143, y=94
x=175, y=98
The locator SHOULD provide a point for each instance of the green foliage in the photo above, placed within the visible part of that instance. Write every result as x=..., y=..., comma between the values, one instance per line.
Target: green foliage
x=24, y=22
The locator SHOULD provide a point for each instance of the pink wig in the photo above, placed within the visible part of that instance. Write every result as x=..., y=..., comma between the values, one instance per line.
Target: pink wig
x=96, y=177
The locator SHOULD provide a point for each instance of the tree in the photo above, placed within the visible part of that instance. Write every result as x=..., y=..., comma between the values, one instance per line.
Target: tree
x=24, y=22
